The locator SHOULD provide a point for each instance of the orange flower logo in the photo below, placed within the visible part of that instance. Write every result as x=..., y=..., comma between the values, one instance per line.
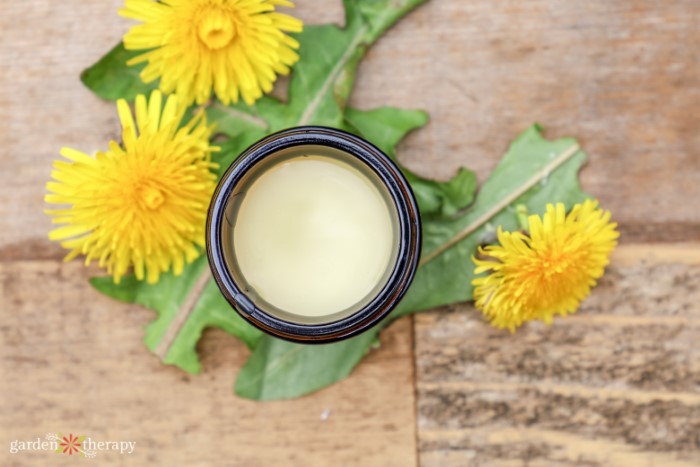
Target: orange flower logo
x=70, y=444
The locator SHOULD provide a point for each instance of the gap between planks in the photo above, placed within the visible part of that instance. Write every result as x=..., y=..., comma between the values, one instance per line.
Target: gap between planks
x=624, y=254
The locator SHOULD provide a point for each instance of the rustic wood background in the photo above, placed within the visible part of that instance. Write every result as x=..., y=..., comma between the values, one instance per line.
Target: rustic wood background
x=618, y=384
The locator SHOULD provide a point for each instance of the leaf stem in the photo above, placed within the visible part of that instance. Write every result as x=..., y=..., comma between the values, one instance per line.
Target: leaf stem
x=310, y=110
x=485, y=217
x=182, y=314
x=235, y=113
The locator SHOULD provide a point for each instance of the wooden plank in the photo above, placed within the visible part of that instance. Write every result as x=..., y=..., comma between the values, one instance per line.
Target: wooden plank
x=616, y=384
x=623, y=76
x=620, y=75
x=74, y=361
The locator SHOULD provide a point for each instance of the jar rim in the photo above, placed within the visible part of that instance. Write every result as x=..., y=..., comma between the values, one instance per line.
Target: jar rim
x=409, y=235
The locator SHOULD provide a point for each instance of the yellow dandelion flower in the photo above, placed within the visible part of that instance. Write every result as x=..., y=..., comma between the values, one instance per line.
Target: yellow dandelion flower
x=142, y=204
x=548, y=272
x=233, y=47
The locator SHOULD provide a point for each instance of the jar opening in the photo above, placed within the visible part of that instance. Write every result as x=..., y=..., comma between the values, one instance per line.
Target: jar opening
x=312, y=234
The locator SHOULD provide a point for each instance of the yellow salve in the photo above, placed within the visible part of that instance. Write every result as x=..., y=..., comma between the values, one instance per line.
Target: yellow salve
x=313, y=236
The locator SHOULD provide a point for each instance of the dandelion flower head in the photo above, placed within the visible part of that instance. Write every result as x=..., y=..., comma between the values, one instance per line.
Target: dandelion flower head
x=547, y=271
x=233, y=48
x=141, y=204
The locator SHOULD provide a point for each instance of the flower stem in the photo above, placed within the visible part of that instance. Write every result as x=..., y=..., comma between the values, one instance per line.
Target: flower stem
x=522, y=213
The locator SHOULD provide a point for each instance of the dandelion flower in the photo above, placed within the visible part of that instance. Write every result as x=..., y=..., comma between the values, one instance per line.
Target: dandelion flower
x=233, y=47
x=142, y=204
x=548, y=271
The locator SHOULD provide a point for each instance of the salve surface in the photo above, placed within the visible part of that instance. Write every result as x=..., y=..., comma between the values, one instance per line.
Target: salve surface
x=313, y=236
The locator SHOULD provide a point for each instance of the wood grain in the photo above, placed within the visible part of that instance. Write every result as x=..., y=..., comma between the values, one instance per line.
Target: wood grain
x=616, y=384
x=623, y=77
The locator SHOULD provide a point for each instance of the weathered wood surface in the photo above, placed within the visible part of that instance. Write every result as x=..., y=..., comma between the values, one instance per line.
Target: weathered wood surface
x=615, y=385
x=622, y=76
